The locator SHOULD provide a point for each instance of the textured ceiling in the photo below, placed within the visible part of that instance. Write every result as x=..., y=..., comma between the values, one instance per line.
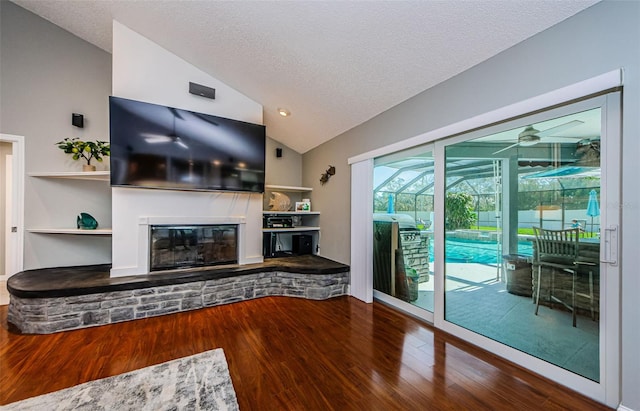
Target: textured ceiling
x=333, y=64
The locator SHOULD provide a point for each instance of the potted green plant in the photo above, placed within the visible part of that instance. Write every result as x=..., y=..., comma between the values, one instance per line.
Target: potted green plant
x=87, y=150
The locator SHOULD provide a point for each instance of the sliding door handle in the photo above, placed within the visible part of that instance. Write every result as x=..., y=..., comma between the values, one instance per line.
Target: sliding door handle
x=610, y=243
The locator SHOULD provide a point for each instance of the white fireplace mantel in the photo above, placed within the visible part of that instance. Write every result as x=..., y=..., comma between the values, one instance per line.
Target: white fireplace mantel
x=191, y=220
x=145, y=222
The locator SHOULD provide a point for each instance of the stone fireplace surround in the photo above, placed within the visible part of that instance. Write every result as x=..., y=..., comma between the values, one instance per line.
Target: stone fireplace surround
x=50, y=300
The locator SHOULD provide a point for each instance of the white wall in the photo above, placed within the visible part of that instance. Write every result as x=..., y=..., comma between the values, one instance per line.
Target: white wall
x=144, y=71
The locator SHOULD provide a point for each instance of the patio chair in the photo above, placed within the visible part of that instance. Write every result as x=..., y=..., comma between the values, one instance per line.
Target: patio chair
x=559, y=251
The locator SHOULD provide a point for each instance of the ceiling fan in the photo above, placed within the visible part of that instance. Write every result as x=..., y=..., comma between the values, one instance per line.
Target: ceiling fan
x=530, y=136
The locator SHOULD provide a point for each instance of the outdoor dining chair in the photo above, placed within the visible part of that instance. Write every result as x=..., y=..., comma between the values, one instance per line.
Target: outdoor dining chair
x=559, y=251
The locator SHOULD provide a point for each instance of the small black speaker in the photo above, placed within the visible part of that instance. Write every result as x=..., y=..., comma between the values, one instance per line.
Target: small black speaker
x=301, y=244
x=278, y=152
x=77, y=120
x=203, y=91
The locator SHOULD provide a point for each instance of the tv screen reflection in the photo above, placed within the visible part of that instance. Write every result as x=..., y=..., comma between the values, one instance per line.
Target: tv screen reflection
x=163, y=147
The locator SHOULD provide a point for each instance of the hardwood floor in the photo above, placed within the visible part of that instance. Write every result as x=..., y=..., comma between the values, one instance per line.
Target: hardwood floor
x=291, y=354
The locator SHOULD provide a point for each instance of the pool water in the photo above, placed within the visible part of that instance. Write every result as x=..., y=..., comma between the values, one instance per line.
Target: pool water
x=481, y=252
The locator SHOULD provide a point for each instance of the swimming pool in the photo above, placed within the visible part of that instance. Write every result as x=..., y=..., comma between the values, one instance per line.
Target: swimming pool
x=481, y=252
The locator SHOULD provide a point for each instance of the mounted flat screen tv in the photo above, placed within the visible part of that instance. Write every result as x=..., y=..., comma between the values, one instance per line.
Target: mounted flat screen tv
x=154, y=146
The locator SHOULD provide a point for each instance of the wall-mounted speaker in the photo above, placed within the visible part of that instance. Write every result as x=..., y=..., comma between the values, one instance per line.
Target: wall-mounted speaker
x=77, y=120
x=278, y=152
x=203, y=91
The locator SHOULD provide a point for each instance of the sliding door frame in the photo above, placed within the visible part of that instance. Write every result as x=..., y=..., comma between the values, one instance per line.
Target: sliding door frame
x=407, y=307
x=607, y=390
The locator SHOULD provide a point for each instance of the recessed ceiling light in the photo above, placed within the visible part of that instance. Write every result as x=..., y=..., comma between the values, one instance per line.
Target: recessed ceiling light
x=284, y=112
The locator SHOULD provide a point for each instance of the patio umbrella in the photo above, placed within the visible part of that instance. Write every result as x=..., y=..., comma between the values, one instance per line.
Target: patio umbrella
x=593, y=210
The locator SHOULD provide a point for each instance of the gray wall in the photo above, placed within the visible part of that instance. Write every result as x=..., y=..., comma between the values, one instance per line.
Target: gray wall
x=46, y=74
x=283, y=171
x=600, y=39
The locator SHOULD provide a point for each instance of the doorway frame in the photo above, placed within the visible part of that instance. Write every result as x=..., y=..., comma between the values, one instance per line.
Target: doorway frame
x=15, y=259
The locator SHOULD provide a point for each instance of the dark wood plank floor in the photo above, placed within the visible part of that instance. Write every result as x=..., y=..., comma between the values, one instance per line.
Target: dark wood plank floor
x=291, y=354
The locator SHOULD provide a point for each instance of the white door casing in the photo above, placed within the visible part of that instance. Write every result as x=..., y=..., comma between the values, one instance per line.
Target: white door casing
x=15, y=211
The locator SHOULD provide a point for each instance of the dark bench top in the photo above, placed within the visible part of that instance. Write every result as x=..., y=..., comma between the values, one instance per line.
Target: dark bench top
x=93, y=279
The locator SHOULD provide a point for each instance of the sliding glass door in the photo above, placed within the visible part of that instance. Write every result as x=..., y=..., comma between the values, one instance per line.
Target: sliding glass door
x=403, y=230
x=499, y=189
x=459, y=231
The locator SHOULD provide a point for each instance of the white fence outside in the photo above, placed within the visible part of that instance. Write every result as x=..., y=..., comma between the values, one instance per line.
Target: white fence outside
x=551, y=219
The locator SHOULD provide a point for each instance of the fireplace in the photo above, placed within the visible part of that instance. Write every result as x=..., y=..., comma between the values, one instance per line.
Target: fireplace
x=248, y=248
x=186, y=246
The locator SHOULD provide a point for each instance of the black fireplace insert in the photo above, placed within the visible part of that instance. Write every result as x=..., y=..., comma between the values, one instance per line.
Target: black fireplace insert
x=186, y=246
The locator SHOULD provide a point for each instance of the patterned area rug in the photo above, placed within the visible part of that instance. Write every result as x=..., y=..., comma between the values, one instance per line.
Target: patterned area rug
x=198, y=382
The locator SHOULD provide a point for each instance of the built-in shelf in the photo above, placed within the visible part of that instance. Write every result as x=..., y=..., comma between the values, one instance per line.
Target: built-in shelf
x=74, y=231
x=293, y=232
x=300, y=213
x=74, y=175
x=272, y=187
x=290, y=229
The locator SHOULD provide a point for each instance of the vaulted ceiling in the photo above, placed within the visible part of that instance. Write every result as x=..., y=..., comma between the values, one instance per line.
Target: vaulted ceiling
x=332, y=64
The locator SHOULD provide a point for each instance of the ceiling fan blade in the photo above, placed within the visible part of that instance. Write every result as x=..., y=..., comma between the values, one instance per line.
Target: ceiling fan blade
x=506, y=148
x=155, y=138
x=175, y=113
x=560, y=128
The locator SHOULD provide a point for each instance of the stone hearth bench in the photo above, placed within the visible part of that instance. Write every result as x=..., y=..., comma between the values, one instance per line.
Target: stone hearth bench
x=50, y=300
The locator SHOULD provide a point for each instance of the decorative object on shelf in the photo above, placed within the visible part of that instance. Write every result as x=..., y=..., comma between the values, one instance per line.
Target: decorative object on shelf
x=327, y=174
x=86, y=221
x=303, y=206
x=87, y=150
x=279, y=202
